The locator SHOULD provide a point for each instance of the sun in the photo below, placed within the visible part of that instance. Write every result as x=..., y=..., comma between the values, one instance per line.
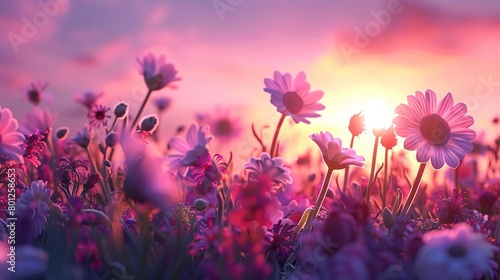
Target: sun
x=378, y=114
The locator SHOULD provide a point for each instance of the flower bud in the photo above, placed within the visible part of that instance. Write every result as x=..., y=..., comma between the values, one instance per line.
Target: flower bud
x=62, y=133
x=357, y=124
x=121, y=110
x=149, y=123
x=389, y=139
x=107, y=163
x=388, y=218
x=200, y=204
x=112, y=139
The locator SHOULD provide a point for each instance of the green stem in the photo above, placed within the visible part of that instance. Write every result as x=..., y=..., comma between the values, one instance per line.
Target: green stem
x=346, y=173
x=372, y=172
x=275, y=137
x=413, y=190
x=321, y=198
x=140, y=110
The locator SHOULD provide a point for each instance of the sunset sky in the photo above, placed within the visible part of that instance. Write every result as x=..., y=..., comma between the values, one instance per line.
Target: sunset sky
x=224, y=49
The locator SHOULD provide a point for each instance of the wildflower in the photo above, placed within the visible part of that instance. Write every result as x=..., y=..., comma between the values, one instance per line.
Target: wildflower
x=457, y=253
x=36, y=202
x=149, y=123
x=37, y=119
x=437, y=131
x=293, y=97
x=357, y=124
x=189, y=149
x=88, y=98
x=334, y=155
x=271, y=168
x=72, y=171
x=10, y=139
x=389, y=139
x=34, y=147
x=121, y=110
x=34, y=92
x=222, y=124
x=452, y=209
x=157, y=73
x=98, y=115
x=280, y=245
x=162, y=103
x=209, y=169
x=83, y=137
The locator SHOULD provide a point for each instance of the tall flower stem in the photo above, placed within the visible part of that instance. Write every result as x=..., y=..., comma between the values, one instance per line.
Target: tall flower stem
x=346, y=173
x=372, y=172
x=321, y=198
x=413, y=190
x=386, y=177
x=275, y=137
x=148, y=95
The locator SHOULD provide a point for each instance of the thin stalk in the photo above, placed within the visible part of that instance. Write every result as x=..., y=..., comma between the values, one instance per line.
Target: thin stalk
x=414, y=190
x=320, y=199
x=346, y=173
x=372, y=172
x=386, y=177
x=275, y=137
x=141, y=109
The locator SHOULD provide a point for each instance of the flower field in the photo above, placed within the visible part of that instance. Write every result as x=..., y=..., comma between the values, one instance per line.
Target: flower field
x=114, y=201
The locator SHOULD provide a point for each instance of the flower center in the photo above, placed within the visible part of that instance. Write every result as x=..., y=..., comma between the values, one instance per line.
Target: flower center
x=100, y=115
x=435, y=130
x=34, y=96
x=293, y=102
x=457, y=251
x=223, y=127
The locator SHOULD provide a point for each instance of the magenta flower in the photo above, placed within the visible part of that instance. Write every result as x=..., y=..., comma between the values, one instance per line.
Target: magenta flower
x=438, y=132
x=84, y=137
x=273, y=168
x=157, y=73
x=209, y=169
x=293, y=97
x=334, y=155
x=98, y=115
x=10, y=139
x=189, y=149
x=35, y=202
x=34, y=147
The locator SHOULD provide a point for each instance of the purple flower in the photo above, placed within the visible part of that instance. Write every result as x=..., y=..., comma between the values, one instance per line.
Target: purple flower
x=273, y=168
x=452, y=209
x=88, y=98
x=157, y=73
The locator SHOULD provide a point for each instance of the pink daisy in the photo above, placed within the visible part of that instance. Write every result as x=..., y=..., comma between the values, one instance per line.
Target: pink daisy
x=10, y=139
x=293, y=97
x=98, y=115
x=438, y=132
x=334, y=155
x=157, y=73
